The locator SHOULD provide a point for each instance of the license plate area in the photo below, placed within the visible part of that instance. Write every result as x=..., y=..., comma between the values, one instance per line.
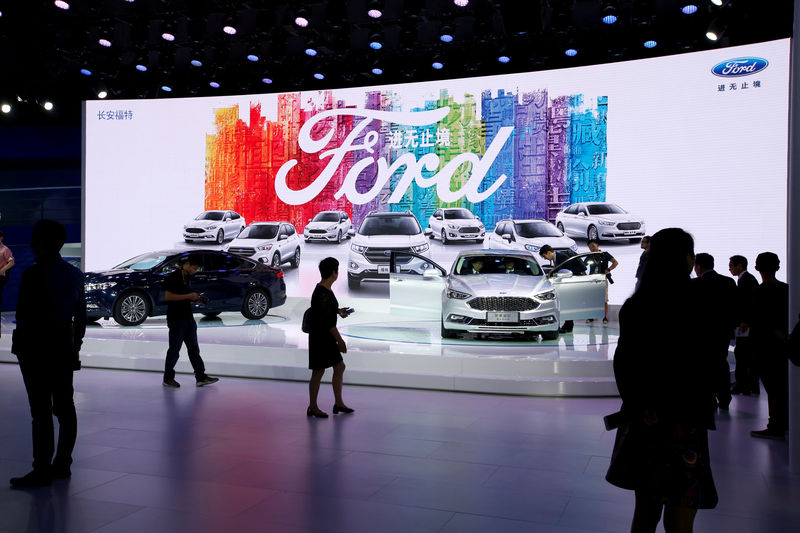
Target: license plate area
x=502, y=316
x=630, y=232
x=383, y=269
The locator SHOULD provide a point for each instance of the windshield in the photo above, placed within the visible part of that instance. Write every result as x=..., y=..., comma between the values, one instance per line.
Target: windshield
x=604, y=209
x=497, y=264
x=260, y=231
x=209, y=215
x=531, y=230
x=326, y=217
x=399, y=225
x=452, y=214
x=143, y=262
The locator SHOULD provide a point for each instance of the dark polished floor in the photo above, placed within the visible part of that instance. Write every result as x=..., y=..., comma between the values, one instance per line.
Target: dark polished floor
x=242, y=456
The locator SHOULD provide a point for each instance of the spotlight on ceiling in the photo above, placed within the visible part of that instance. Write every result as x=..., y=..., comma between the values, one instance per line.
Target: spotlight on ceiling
x=104, y=42
x=102, y=94
x=650, y=44
x=167, y=36
x=252, y=57
x=504, y=59
x=689, y=9
x=5, y=108
x=214, y=84
x=311, y=51
x=196, y=63
x=377, y=71
x=166, y=88
x=718, y=3
x=230, y=30
x=438, y=65
x=141, y=68
x=570, y=52
x=319, y=76
x=375, y=9
x=60, y=4
x=609, y=13
x=301, y=21
x=86, y=72
x=446, y=35
x=48, y=106
x=461, y=3
x=715, y=30
x=266, y=80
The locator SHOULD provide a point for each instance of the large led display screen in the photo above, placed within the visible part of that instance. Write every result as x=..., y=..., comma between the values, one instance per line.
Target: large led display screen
x=696, y=140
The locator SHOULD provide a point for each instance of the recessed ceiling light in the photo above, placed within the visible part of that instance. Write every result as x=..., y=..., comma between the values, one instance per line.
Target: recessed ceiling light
x=252, y=57
x=230, y=30
x=6, y=108
x=166, y=88
x=196, y=63
x=650, y=44
x=377, y=71
x=141, y=68
x=375, y=45
x=319, y=76
x=48, y=106
x=437, y=65
x=311, y=52
x=461, y=3
x=375, y=13
x=609, y=19
x=167, y=36
x=446, y=38
x=86, y=72
x=301, y=21
x=104, y=42
x=102, y=94
x=688, y=9
x=60, y=4
x=214, y=84
x=266, y=80
x=504, y=59
x=571, y=52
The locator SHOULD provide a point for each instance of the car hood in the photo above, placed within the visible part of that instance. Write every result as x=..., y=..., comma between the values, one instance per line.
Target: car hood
x=555, y=242
x=110, y=275
x=321, y=225
x=250, y=243
x=618, y=217
x=499, y=284
x=390, y=241
x=202, y=223
x=462, y=222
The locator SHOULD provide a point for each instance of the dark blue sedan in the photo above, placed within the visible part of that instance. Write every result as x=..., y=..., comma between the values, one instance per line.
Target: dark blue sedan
x=134, y=290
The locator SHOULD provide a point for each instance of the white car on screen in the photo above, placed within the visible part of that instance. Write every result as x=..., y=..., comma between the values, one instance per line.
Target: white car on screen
x=273, y=243
x=378, y=236
x=529, y=235
x=601, y=221
x=213, y=226
x=456, y=224
x=327, y=226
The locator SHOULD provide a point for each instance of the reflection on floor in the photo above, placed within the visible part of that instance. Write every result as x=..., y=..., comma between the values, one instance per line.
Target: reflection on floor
x=242, y=456
x=383, y=349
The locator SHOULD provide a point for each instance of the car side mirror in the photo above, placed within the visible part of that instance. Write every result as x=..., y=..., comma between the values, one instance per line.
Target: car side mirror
x=431, y=273
x=438, y=217
x=309, y=220
x=508, y=237
x=283, y=237
x=351, y=232
x=563, y=274
x=581, y=214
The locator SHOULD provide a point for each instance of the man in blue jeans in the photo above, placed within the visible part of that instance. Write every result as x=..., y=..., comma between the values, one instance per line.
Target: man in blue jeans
x=181, y=324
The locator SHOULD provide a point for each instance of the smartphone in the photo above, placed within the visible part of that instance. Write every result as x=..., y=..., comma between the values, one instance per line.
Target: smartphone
x=349, y=310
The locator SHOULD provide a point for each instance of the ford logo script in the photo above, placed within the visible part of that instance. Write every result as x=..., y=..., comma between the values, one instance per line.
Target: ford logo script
x=739, y=66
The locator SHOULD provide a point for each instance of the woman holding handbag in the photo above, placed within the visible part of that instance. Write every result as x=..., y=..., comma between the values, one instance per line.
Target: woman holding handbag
x=325, y=344
x=664, y=377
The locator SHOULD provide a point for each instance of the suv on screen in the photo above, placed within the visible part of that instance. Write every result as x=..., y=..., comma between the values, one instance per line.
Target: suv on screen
x=378, y=235
x=456, y=224
x=273, y=243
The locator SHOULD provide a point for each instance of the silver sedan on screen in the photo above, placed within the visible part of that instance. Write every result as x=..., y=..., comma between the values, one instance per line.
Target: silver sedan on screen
x=497, y=291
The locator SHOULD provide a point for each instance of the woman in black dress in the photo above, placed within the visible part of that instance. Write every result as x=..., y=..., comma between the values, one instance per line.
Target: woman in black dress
x=663, y=368
x=325, y=344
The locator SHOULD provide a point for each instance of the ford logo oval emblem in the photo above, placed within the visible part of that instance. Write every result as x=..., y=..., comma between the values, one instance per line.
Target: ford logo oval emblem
x=739, y=66
x=387, y=252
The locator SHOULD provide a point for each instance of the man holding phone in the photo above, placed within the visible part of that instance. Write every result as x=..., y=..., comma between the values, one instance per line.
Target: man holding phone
x=181, y=324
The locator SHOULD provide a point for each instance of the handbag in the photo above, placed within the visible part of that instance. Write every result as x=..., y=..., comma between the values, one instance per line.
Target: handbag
x=306, y=324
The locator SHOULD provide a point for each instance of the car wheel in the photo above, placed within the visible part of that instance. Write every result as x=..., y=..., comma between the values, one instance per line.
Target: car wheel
x=353, y=283
x=220, y=236
x=444, y=237
x=550, y=335
x=560, y=227
x=131, y=309
x=276, y=260
x=339, y=237
x=447, y=333
x=295, y=262
x=256, y=304
x=212, y=314
x=592, y=234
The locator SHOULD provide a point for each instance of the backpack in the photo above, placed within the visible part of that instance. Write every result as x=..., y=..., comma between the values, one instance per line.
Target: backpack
x=306, y=325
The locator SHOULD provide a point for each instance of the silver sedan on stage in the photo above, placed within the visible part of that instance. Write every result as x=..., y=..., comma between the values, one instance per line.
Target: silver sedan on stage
x=497, y=291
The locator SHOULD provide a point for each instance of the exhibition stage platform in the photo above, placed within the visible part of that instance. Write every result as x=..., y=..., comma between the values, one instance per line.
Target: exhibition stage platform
x=384, y=349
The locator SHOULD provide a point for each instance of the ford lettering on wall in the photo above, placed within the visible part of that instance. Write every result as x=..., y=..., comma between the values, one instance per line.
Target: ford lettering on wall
x=739, y=66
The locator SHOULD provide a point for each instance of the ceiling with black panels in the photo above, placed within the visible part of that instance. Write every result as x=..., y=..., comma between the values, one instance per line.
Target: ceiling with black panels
x=67, y=51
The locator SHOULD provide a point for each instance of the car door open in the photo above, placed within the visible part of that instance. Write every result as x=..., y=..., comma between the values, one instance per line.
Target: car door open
x=580, y=286
x=415, y=285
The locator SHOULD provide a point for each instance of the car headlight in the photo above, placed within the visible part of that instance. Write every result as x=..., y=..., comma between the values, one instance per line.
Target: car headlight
x=607, y=222
x=457, y=295
x=452, y=226
x=358, y=249
x=545, y=296
x=264, y=248
x=481, y=226
x=100, y=286
x=331, y=228
x=213, y=226
x=574, y=247
x=532, y=247
x=421, y=248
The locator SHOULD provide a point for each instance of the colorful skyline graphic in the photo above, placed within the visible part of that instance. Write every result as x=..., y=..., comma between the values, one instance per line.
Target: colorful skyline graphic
x=555, y=155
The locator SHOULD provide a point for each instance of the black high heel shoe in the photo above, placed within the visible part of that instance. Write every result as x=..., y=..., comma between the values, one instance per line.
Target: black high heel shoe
x=321, y=414
x=342, y=409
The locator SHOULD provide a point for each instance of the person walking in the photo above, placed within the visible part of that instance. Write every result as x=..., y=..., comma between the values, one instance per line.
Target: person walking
x=746, y=374
x=51, y=322
x=181, y=325
x=325, y=344
x=769, y=326
x=665, y=383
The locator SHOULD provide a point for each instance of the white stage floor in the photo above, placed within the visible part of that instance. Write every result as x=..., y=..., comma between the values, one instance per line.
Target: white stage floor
x=383, y=349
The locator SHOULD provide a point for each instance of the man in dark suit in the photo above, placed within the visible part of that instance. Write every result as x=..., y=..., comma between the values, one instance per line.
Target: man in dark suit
x=716, y=295
x=746, y=284
x=51, y=322
x=555, y=259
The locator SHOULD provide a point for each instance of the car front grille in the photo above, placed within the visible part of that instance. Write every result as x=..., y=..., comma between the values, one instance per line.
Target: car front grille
x=377, y=255
x=469, y=230
x=242, y=251
x=317, y=231
x=503, y=303
x=195, y=230
x=629, y=225
x=482, y=322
